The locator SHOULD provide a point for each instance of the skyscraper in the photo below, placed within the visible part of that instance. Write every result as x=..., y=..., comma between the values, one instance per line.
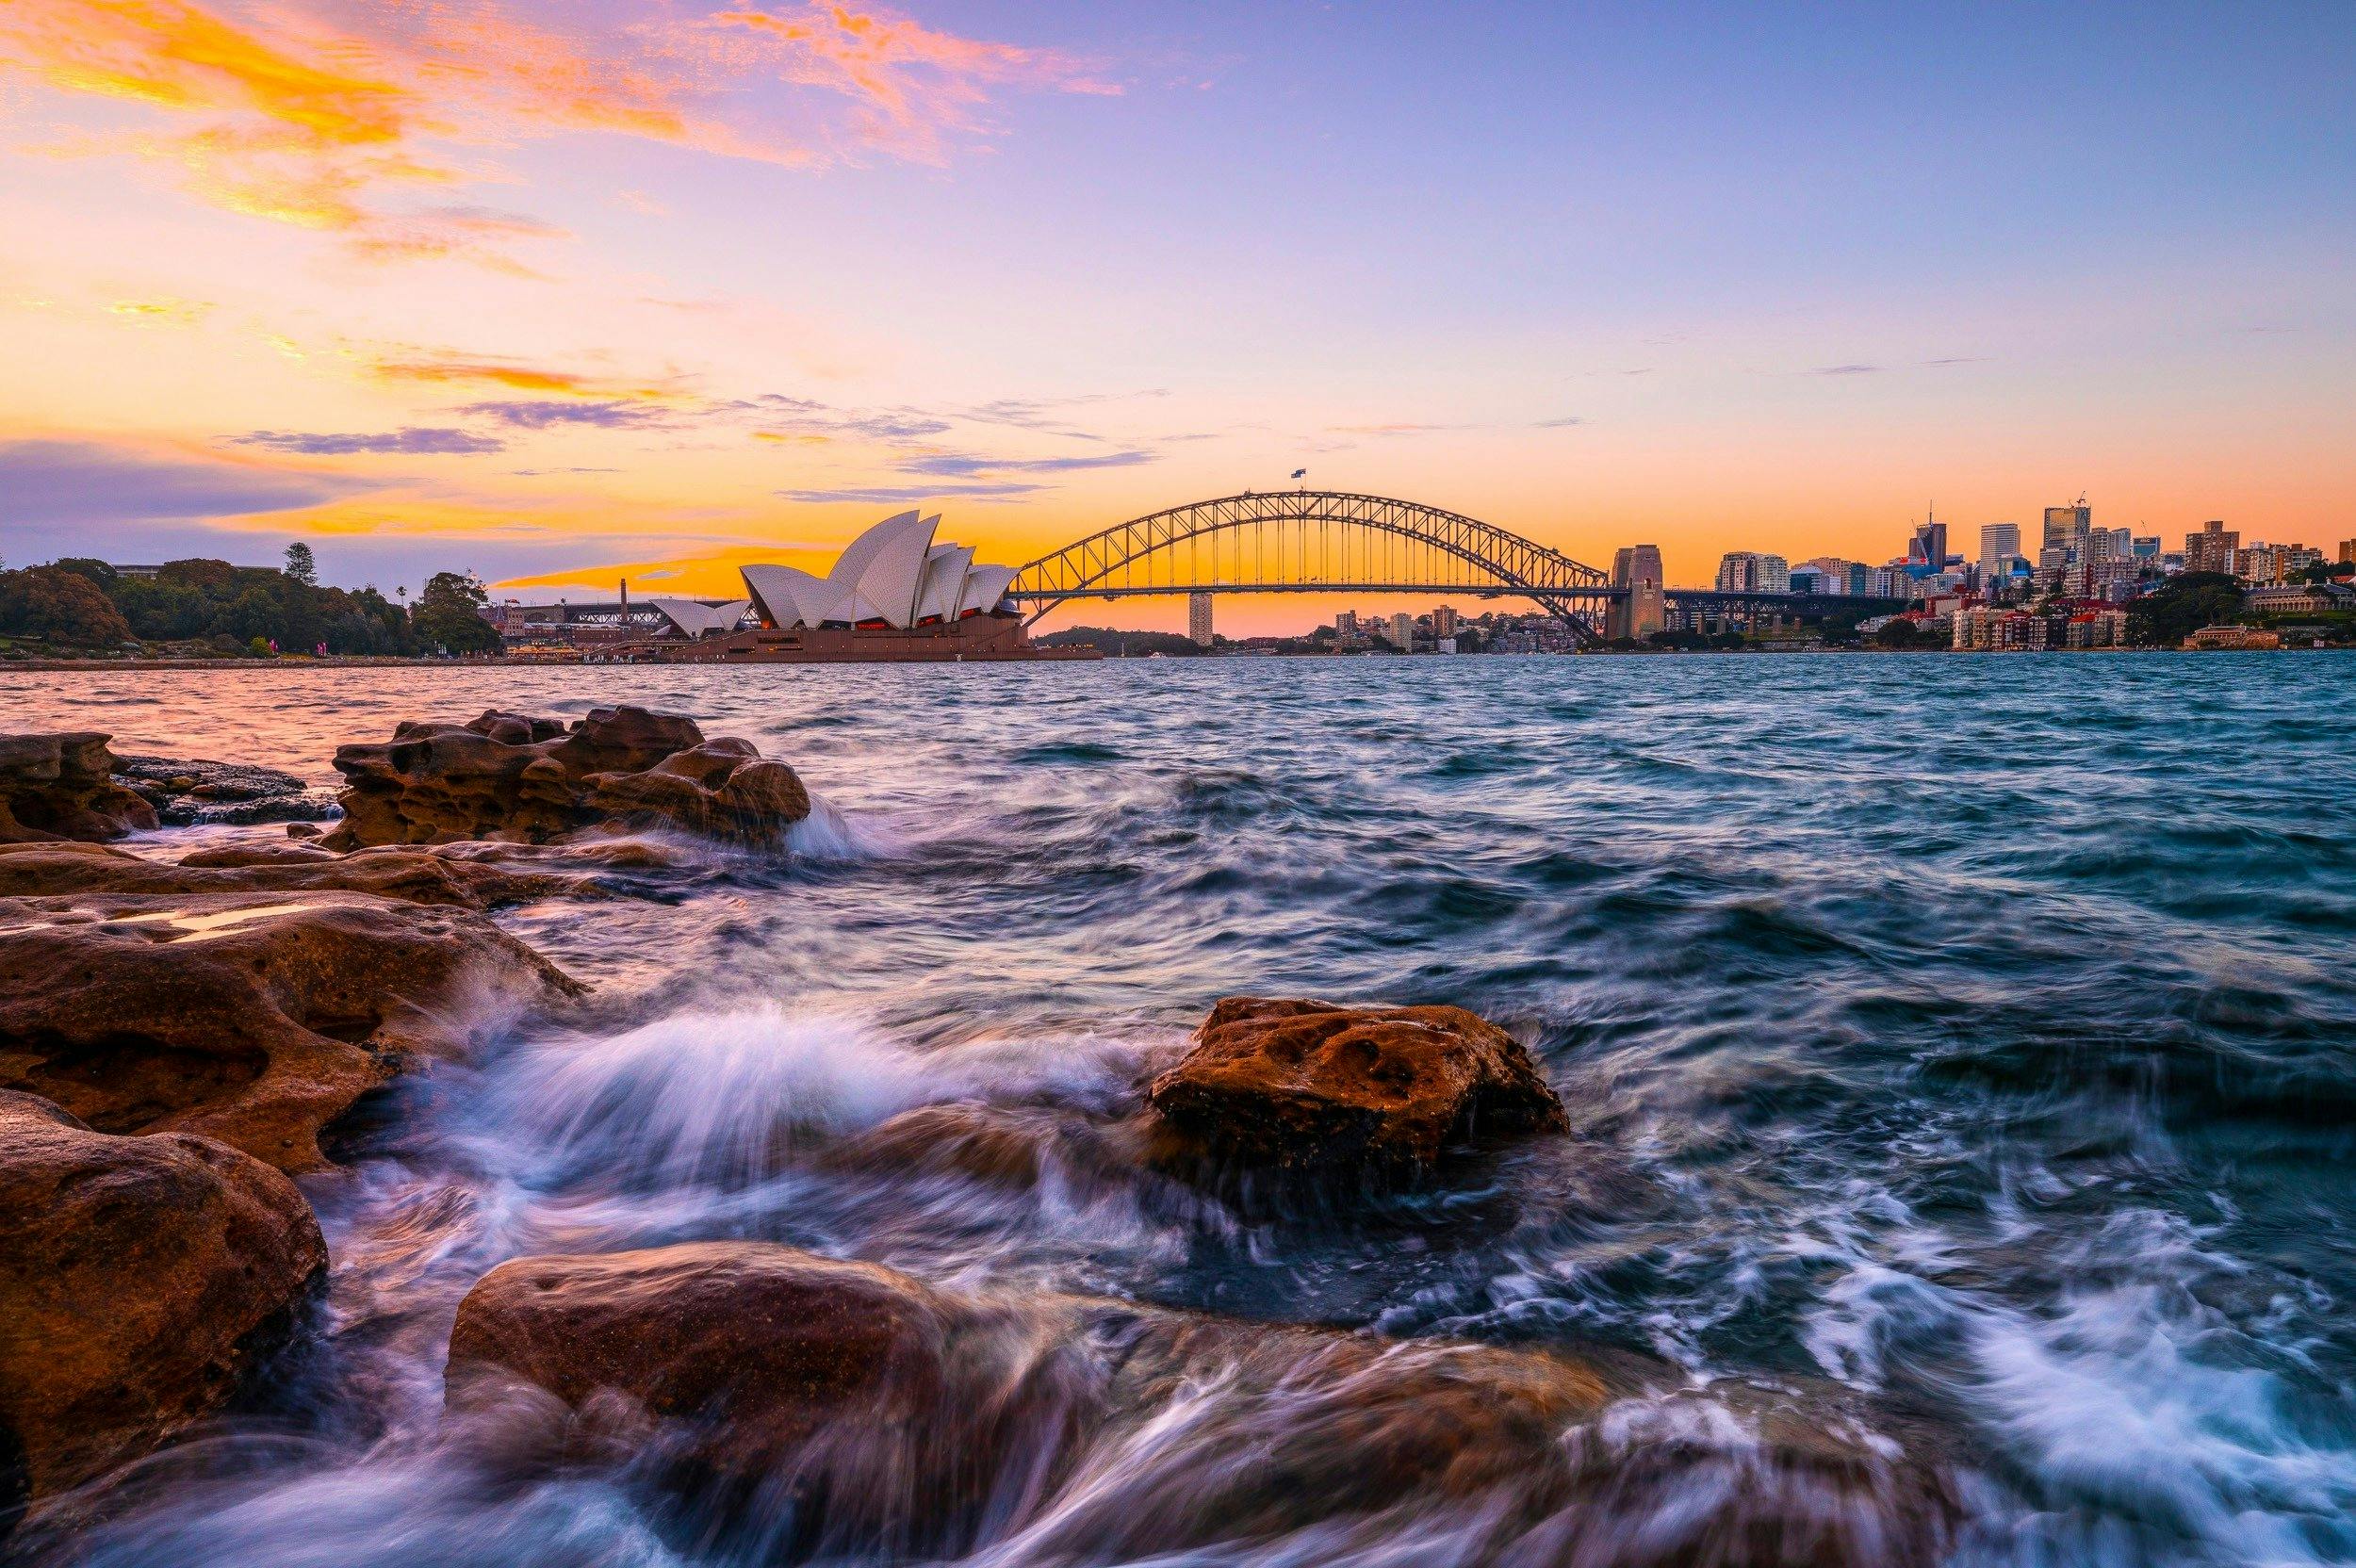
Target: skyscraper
x=1636, y=568
x=2066, y=526
x=1403, y=632
x=1199, y=619
x=1997, y=541
x=1930, y=544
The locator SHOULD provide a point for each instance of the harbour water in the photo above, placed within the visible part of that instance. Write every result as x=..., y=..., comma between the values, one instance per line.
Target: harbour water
x=1974, y=1038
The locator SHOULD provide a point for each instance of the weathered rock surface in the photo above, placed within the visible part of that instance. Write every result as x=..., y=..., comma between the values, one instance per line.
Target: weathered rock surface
x=140, y=1280
x=252, y=1018
x=188, y=792
x=869, y=1408
x=1307, y=1087
x=415, y=875
x=64, y=787
x=510, y=776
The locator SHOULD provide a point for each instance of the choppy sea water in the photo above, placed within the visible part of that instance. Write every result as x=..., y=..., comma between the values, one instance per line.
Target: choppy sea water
x=1975, y=1033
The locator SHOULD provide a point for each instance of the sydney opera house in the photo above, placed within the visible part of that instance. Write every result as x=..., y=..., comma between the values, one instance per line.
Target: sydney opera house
x=893, y=593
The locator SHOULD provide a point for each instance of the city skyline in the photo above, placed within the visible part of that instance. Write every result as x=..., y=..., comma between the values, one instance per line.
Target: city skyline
x=562, y=293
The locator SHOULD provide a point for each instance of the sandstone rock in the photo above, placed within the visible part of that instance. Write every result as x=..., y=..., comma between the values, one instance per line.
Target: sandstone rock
x=415, y=875
x=1306, y=1087
x=64, y=787
x=185, y=793
x=510, y=776
x=876, y=1412
x=254, y=1019
x=140, y=1278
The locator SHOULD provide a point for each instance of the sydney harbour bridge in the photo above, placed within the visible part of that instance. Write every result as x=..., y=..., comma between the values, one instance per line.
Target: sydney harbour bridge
x=1323, y=541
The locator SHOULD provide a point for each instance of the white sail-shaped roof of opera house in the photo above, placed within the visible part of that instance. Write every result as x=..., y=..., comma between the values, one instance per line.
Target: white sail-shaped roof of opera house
x=892, y=575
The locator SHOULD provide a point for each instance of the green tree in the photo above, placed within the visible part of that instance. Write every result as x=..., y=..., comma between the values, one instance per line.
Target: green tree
x=301, y=567
x=2182, y=606
x=447, y=613
x=1898, y=632
x=60, y=605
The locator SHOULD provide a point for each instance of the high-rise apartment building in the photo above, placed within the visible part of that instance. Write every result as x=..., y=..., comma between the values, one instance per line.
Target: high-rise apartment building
x=1199, y=619
x=2348, y=550
x=2212, y=549
x=1403, y=632
x=1346, y=624
x=1636, y=568
x=1444, y=621
x=1751, y=572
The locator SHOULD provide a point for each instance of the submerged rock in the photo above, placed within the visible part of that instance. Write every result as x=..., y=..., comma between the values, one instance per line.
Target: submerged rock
x=1307, y=1087
x=141, y=1279
x=415, y=875
x=856, y=1409
x=509, y=776
x=253, y=1017
x=64, y=787
x=188, y=792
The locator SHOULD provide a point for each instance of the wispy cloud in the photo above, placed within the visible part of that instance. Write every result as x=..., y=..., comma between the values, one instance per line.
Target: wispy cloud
x=1959, y=359
x=311, y=111
x=55, y=482
x=967, y=465
x=161, y=313
x=903, y=495
x=409, y=440
x=1565, y=422
x=785, y=416
x=1845, y=370
x=910, y=88
x=462, y=371
x=544, y=414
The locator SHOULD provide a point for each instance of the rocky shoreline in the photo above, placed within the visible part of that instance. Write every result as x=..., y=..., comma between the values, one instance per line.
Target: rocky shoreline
x=181, y=1039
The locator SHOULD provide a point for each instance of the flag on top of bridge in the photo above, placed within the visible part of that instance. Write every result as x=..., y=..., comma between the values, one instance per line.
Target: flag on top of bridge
x=1301, y=473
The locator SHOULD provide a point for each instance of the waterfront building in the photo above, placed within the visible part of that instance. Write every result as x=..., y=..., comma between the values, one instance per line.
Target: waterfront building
x=2259, y=562
x=1751, y=572
x=1637, y=569
x=1403, y=632
x=891, y=577
x=1199, y=619
x=593, y=623
x=2213, y=549
x=1444, y=623
x=2300, y=599
x=2233, y=638
x=1346, y=625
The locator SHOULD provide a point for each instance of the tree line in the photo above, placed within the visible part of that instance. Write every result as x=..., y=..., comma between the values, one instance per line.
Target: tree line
x=83, y=603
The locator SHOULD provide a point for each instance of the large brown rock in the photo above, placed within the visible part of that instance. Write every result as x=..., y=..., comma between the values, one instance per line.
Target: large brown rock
x=140, y=1280
x=64, y=787
x=254, y=1019
x=1307, y=1087
x=531, y=780
x=872, y=1409
x=415, y=875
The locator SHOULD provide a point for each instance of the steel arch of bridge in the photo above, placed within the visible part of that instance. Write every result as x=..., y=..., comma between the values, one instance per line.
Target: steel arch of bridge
x=1310, y=541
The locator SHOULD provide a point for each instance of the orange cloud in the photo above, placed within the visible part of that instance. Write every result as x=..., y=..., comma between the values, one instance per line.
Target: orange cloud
x=451, y=370
x=312, y=109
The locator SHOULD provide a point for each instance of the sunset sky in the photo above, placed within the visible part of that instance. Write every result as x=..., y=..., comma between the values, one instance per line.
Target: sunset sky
x=555, y=289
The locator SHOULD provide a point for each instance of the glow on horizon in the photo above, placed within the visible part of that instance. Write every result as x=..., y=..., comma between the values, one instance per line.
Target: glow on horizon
x=555, y=292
